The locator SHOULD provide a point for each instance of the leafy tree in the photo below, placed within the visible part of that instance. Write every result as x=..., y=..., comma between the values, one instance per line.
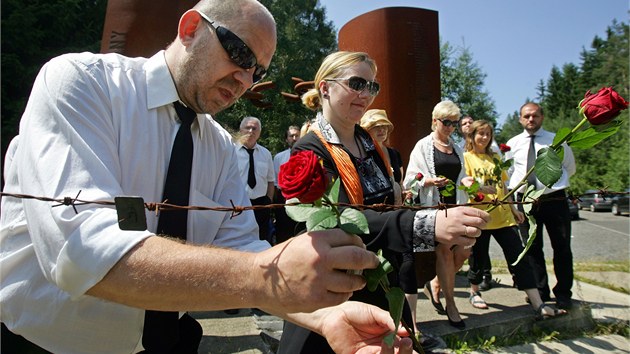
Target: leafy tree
x=462, y=82
x=607, y=165
x=305, y=37
x=509, y=128
x=34, y=32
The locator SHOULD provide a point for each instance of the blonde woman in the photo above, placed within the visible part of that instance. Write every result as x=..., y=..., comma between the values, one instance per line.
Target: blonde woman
x=439, y=160
x=345, y=86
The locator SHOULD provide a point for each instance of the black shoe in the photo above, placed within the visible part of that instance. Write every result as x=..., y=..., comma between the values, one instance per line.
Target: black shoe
x=457, y=324
x=429, y=342
x=428, y=291
x=231, y=311
x=564, y=304
x=486, y=284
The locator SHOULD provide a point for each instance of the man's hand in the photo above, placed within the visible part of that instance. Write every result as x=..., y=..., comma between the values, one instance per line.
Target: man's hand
x=460, y=225
x=355, y=327
x=308, y=272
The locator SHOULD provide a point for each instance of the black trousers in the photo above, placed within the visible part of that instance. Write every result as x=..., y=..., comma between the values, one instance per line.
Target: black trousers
x=552, y=212
x=263, y=218
x=14, y=343
x=285, y=226
x=510, y=241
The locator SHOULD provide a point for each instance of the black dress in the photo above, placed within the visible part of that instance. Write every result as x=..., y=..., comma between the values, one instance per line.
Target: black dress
x=395, y=160
x=390, y=231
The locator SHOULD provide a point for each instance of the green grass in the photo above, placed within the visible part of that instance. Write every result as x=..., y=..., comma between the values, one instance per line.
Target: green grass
x=612, y=266
x=500, y=267
x=537, y=336
x=490, y=344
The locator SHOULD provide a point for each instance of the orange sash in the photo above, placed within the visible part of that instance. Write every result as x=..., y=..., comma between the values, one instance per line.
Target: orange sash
x=347, y=171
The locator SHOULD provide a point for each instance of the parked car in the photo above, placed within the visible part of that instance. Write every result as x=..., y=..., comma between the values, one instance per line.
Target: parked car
x=573, y=208
x=594, y=200
x=620, y=203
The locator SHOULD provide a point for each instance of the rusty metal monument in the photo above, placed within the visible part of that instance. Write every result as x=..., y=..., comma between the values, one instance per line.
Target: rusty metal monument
x=404, y=41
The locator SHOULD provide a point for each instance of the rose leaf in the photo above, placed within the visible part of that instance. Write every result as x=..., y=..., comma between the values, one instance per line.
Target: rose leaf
x=300, y=212
x=590, y=137
x=396, y=299
x=322, y=219
x=354, y=222
x=389, y=339
x=548, y=167
x=374, y=276
x=333, y=192
x=561, y=134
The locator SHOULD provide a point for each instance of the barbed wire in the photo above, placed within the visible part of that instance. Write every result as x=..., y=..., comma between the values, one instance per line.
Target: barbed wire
x=236, y=210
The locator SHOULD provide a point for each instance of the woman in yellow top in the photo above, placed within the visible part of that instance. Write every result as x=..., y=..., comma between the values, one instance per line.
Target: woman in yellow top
x=479, y=164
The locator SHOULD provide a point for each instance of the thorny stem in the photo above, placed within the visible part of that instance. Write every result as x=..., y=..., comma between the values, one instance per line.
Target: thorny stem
x=331, y=205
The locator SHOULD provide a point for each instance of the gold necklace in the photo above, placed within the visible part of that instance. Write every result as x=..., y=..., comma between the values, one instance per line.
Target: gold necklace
x=441, y=143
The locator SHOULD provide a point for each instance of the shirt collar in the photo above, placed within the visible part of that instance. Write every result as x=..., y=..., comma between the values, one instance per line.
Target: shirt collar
x=239, y=145
x=331, y=136
x=161, y=90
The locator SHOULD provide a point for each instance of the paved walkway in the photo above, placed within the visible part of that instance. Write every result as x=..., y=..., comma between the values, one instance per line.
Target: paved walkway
x=508, y=314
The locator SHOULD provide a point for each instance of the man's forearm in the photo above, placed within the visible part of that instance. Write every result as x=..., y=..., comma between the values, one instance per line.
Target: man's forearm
x=163, y=274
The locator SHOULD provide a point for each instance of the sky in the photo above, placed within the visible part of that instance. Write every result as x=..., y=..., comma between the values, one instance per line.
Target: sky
x=516, y=43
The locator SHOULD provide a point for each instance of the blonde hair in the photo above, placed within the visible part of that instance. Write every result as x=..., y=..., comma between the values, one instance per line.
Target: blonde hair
x=332, y=67
x=444, y=109
x=470, y=138
x=306, y=127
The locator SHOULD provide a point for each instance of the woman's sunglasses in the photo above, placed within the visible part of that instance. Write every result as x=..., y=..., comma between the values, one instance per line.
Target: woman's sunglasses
x=237, y=50
x=449, y=123
x=359, y=84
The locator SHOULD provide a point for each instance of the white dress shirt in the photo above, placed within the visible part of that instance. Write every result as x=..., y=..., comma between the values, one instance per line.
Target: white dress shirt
x=519, y=148
x=102, y=125
x=263, y=169
x=281, y=158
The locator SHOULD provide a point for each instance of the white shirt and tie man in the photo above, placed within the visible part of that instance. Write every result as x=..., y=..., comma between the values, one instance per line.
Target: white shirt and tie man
x=257, y=172
x=552, y=212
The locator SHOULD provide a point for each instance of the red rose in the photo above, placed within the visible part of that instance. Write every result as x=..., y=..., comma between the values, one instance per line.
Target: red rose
x=419, y=176
x=479, y=197
x=602, y=107
x=303, y=177
x=504, y=148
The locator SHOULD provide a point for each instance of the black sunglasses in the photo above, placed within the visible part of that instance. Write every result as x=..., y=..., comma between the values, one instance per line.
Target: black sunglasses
x=359, y=84
x=449, y=123
x=237, y=50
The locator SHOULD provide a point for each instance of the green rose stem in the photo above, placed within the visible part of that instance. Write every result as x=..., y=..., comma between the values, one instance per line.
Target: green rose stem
x=554, y=147
x=414, y=339
x=327, y=201
x=382, y=283
x=352, y=221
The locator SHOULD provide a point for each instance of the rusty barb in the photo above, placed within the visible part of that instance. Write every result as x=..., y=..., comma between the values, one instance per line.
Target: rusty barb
x=236, y=210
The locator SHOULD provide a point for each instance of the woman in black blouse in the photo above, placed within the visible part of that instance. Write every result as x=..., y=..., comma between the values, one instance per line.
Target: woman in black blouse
x=344, y=88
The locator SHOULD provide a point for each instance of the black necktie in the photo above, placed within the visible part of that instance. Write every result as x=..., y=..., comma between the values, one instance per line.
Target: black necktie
x=531, y=161
x=162, y=329
x=251, y=176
